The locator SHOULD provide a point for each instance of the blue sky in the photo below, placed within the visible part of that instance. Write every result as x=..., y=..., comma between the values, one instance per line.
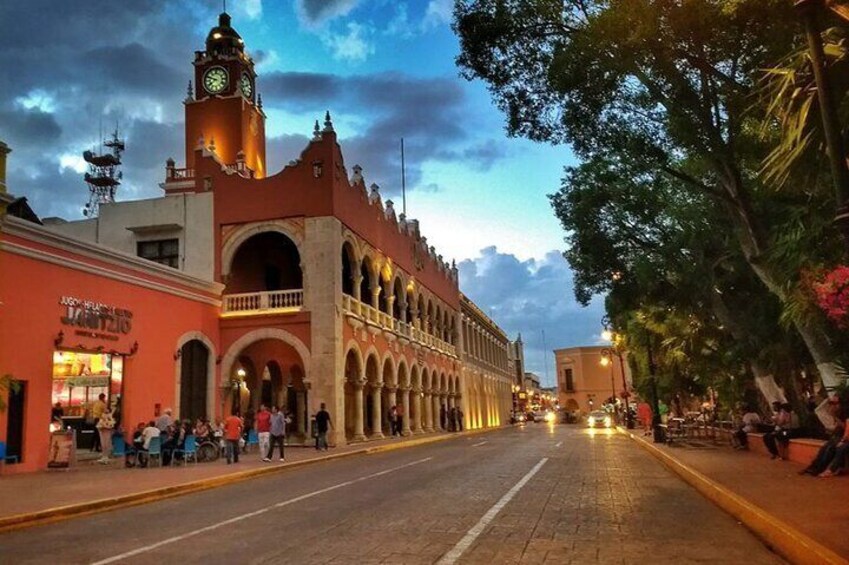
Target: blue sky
x=384, y=69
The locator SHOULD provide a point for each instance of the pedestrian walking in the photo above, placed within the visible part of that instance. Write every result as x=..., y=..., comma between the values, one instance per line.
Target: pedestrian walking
x=400, y=410
x=232, y=435
x=452, y=419
x=278, y=433
x=247, y=426
x=263, y=431
x=322, y=424
x=105, y=427
x=98, y=407
x=442, y=416
x=393, y=420
x=460, y=418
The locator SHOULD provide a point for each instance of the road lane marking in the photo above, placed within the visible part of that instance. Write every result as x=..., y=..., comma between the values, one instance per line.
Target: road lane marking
x=235, y=519
x=451, y=557
x=479, y=444
x=559, y=443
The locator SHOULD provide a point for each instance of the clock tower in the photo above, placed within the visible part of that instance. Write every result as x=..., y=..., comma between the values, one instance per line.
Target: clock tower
x=224, y=108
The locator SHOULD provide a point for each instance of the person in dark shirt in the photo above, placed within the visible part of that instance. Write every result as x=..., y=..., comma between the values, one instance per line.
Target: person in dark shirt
x=322, y=425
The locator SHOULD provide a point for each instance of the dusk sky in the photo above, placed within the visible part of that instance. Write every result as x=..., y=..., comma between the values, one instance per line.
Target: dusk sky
x=384, y=69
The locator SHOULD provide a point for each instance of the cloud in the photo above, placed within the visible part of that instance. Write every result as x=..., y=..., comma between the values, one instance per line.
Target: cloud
x=427, y=112
x=250, y=8
x=531, y=297
x=315, y=13
x=438, y=12
x=352, y=46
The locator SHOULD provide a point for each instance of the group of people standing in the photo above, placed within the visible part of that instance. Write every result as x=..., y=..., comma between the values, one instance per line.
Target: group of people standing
x=451, y=419
x=270, y=426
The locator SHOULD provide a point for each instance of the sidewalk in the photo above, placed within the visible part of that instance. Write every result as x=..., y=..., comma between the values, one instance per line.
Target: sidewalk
x=816, y=508
x=46, y=496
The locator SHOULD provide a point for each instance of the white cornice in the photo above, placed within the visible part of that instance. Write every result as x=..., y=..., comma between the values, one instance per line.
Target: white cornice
x=40, y=234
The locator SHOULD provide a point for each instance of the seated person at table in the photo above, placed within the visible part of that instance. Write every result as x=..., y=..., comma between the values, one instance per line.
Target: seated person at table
x=202, y=430
x=170, y=441
x=825, y=455
x=150, y=432
x=131, y=457
x=749, y=423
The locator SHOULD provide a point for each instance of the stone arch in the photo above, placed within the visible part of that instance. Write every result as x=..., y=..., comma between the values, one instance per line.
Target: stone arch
x=389, y=362
x=402, y=373
x=210, y=371
x=245, y=232
x=350, y=271
x=258, y=335
x=368, y=276
x=353, y=349
x=399, y=305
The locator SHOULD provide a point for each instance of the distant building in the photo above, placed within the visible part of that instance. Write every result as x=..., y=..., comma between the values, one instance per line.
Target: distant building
x=584, y=383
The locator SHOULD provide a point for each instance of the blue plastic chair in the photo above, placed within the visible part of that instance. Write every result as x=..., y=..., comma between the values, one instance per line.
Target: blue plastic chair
x=190, y=449
x=119, y=446
x=3, y=457
x=154, y=450
x=253, y=438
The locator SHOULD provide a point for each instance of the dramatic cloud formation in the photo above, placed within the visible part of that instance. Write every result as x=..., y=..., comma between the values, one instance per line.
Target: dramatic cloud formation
x=531, y=297
x=314, y=13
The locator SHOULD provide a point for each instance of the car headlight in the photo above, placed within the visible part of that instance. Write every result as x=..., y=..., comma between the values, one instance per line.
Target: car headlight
x=591, y=421
x=549, y=417
x=607, y=422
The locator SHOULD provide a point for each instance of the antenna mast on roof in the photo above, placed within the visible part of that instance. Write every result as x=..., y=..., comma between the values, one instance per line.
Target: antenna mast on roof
x=403, y=181
x=103, y=176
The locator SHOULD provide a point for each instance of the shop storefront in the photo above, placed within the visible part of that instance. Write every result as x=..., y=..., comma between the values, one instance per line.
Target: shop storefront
x=98, y=322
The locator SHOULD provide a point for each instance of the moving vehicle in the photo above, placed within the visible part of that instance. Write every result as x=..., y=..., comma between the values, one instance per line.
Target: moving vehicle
x=599, y=419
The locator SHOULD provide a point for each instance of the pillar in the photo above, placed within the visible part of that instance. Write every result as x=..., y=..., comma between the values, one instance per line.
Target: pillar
x=417, y=399
x=358, y=280
x=301, y=403
x=437, y=421
x=359, y=433
x=376, y=413
x=428, y=412
x=405, y=412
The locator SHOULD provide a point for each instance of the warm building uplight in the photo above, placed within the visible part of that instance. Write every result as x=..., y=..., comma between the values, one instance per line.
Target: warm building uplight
x=241, y=373
x=216, y=35
x=605, y=361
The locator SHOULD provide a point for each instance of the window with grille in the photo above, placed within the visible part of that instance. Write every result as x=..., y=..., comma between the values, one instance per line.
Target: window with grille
x=570, y=380
x=164, y=251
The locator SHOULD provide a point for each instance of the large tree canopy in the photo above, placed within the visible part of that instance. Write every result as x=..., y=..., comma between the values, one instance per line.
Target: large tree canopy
x=666, y=90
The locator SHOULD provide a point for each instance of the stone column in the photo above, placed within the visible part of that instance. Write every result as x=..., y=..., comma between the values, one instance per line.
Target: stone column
x=405, y=412
x=437, y=421
x=301, y=404
x=359, y=433
x=428, y=412
x=376, y=413
x=415, y=394
x=375, y=297
x=358, y=281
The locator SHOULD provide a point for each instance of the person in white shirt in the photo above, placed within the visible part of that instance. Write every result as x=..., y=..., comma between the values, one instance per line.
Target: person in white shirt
x=750, y=422
x=150, y=432
x=165, y=420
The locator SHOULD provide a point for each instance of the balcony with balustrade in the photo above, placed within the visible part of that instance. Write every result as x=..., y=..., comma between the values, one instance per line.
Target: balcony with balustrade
x=374, y=317
x=263, y=303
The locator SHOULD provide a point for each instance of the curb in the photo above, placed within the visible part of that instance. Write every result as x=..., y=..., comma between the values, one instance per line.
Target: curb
x=60, y=513
x=781, y=537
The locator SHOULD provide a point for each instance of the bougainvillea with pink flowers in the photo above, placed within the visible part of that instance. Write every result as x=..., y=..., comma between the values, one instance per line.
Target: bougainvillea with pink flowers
x=832, y=295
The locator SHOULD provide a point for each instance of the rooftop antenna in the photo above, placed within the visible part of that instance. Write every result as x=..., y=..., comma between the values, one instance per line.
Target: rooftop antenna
x=103, y=176
x=403, y=181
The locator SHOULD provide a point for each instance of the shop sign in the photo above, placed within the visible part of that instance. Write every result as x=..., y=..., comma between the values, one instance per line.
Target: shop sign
x=95, y=317
x=63, y=449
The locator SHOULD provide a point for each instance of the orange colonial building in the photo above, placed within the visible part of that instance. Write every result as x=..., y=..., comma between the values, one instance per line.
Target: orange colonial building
x=237, y=287
x=588, y=376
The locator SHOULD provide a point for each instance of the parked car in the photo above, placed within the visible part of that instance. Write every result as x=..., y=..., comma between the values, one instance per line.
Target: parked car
x=599, y=419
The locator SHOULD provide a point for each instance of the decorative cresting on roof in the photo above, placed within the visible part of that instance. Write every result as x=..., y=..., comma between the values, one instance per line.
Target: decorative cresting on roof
x=357, y=177
x=390, y=211
x=316, y=132
x=374, y=194
x=328, y=124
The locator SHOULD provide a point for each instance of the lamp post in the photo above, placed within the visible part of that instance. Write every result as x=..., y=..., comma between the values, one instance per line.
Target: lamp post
x=617, y=350
x=607, y=360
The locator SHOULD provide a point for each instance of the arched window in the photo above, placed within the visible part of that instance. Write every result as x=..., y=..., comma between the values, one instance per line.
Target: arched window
x=266, y=261
x=365, y=283
x=348, y=268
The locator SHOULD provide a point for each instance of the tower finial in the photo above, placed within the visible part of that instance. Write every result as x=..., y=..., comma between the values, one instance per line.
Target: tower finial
x=190, y=91
x=328, y=125
x=316, y=132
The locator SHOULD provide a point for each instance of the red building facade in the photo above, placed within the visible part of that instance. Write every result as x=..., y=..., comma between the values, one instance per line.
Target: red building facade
x=316, y=292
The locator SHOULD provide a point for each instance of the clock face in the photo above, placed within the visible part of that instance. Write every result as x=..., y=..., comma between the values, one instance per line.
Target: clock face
x=215, y=80
x=246, y=86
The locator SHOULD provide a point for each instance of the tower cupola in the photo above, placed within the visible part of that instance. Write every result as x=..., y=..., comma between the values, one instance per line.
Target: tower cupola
x=223, y=39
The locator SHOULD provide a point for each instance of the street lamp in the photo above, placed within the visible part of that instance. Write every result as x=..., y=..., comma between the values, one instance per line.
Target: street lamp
x=617, y=350
x=607, y=360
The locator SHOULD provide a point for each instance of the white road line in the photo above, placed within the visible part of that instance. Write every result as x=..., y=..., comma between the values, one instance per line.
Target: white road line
x=451, y=557
x=193, y=533
x=558, y=444
x=479, y=444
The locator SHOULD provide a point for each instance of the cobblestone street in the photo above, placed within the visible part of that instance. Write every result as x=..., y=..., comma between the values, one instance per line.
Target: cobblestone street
x=596, y=497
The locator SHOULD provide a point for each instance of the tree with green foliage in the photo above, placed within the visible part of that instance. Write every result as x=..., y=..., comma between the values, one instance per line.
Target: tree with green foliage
x=671, y=85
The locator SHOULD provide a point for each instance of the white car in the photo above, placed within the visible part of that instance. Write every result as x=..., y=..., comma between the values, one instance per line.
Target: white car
x=599, y=419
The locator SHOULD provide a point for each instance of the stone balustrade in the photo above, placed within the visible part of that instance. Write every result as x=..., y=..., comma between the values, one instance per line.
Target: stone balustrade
x=385, y=321
x=260, y=303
